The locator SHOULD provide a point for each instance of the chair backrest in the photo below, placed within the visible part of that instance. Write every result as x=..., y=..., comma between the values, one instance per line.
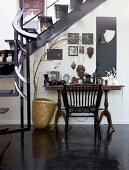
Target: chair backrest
x=83, y=95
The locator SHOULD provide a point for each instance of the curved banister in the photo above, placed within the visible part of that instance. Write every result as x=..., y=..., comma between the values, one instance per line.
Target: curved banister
x=17, y=70
x=21, y=57
x=22, y=94
x=22, y=49
x=17, y=26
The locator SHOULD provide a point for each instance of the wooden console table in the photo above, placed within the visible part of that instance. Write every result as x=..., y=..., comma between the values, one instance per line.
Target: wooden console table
x=59, y=112
x=106, y=89
x=105, y=112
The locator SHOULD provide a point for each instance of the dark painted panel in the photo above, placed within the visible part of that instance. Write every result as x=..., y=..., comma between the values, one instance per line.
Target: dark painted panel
x=54, y=54
x=105, y=53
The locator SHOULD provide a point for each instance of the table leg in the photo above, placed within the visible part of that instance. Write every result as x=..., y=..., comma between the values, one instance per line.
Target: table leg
x=59, y=112
x=106, y=112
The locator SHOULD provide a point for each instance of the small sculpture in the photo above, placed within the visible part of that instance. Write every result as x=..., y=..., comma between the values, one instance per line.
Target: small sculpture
x=114, y=72
x=87, y=78
x=74, y=80
x=81, y=71
x=46, y=79
x=90, y=51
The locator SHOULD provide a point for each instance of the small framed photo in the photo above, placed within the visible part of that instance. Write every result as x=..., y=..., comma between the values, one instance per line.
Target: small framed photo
x=53, y=75
x=87, y=38
x=73, y=50
x=81, y=49
x=73, y=38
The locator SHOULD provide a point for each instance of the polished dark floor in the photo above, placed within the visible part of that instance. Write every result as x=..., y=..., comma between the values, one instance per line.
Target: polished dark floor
x=46, y=150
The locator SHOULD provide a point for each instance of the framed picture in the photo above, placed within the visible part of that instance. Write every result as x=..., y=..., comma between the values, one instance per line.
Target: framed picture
x=73, y=38
x=53, y=75
x=73, y=50
x=87, y=38
x=54, y=54
x=81, y=49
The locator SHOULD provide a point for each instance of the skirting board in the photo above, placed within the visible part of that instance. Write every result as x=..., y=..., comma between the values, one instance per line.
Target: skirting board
x=62, y=122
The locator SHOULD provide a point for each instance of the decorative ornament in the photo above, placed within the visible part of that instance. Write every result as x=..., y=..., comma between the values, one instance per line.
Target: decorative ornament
x=80, y=70
x=73, y=65
x=90, y=51
x=66, y=77
x=112, y=76
x=74, y=80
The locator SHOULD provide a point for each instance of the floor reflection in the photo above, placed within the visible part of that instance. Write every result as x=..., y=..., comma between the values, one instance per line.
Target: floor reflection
x=43, y=143
x=83, y=155
x=48, y=150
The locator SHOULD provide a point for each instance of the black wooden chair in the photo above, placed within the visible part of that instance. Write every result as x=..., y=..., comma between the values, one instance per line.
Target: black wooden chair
x=82, y=101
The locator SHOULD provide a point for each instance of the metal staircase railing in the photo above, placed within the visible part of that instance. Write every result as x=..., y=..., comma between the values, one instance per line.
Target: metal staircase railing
x=22, y=39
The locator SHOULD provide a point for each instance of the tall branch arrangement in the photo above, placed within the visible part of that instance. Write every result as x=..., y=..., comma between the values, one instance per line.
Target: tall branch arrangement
x=55, y=43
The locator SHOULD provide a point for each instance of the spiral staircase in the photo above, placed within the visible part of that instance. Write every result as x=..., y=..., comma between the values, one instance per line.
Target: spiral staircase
x=27, y=40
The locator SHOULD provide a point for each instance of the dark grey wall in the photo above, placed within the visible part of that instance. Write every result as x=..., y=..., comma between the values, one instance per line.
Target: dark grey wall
x=105, y=53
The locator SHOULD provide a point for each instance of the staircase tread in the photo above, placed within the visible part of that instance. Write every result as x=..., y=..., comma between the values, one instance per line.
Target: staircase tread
x=10, y=41
x=6, y=51
x=31, y=30
x=7, y=91
x=7, y=76
x=61, y=5
x=6, y=62
x=45, y=19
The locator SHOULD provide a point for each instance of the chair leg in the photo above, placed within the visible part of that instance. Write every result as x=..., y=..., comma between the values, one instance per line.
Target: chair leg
x=96, y=119
x=97, y=126
x=66, y=125
x=97, y=132
x=96, y=122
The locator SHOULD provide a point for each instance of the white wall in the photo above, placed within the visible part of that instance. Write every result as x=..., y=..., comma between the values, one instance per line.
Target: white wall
x=8, y=10
x=118, y=100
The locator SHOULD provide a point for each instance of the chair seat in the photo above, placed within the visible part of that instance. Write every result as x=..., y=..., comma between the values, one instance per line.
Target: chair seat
x=82, y=109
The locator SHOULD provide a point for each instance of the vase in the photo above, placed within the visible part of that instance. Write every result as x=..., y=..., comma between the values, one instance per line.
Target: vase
x=43, y=143
x=90, y=51
x=42, y=112
x=46, y=79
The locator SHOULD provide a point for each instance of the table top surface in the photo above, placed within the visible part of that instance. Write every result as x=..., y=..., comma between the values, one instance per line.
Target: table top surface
x=104, y=87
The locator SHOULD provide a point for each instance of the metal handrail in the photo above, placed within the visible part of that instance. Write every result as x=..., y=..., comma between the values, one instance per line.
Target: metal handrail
x=32, y=18
x=39, y=12
x=17, y=70
x=52, y=4
x=21, y=93
x=17, y=26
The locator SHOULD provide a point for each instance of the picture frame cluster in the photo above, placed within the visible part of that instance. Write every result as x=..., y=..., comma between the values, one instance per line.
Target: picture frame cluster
x=74, y=39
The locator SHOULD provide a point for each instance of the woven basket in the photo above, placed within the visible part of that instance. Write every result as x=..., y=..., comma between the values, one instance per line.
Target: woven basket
x=42, y=111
